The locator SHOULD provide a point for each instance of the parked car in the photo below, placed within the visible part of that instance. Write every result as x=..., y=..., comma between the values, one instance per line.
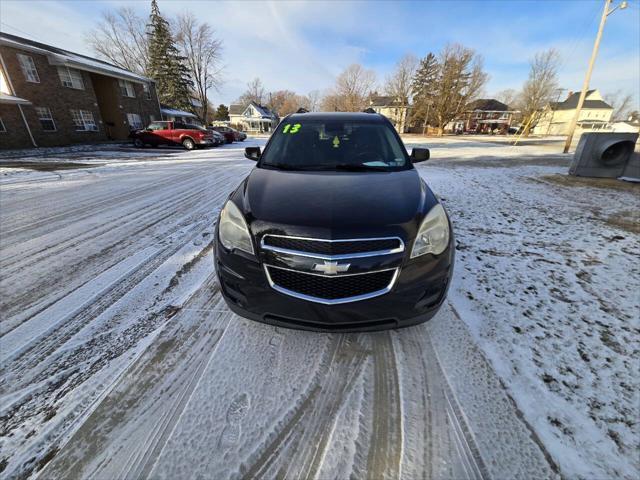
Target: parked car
x=218, y=138
x=334, y=230
x=227, y=132
x=172, y=133
x=238, y=135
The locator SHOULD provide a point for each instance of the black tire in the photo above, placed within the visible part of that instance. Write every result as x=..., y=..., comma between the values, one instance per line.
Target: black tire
x=188, y=144
x=138, y=143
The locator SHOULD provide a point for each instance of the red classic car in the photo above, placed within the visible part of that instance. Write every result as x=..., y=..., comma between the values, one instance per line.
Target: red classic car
x=172, y=133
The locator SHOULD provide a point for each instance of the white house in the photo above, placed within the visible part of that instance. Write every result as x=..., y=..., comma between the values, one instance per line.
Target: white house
x=253, y=118
x=392, y=108
x=556, y=117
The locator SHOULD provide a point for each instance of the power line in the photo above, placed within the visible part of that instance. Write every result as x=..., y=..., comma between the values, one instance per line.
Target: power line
x=587, y=30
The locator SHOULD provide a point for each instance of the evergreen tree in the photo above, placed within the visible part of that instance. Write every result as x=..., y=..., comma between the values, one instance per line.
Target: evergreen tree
x=222, y=113
x=424, y=88
x=166, y=66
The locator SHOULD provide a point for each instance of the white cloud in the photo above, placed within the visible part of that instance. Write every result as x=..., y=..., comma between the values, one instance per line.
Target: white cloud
x=302, y=46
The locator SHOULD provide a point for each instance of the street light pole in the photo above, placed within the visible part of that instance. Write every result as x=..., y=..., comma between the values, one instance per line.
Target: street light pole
x=585, y=86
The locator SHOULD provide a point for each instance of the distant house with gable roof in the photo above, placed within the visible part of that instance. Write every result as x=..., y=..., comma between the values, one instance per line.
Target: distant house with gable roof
x=391, y=107
x=556, y=116
x=252, y=117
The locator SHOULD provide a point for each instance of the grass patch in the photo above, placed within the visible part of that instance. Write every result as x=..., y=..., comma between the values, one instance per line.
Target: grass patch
x=602, y=183
x=628, y=220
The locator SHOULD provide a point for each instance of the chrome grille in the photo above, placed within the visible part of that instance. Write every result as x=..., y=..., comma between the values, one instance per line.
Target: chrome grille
x=330, y=287
x=332, y=249
x=336, y=247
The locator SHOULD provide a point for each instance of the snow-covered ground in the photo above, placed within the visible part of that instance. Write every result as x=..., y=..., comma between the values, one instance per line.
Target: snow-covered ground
x=119, y=360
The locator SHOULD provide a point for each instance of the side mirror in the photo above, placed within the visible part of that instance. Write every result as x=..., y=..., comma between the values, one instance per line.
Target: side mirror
x=419, y=155
x=252, y=153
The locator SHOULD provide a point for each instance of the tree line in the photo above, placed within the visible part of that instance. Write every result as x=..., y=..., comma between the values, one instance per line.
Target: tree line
x=184, y=55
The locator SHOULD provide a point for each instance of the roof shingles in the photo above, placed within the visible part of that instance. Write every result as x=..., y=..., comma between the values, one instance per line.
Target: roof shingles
x=572, y=102
x=65, y=57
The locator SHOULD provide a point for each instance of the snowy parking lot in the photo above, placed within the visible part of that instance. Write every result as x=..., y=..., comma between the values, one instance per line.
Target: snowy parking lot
x=119, y=358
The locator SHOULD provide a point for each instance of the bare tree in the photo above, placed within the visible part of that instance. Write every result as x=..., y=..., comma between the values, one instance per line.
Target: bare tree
x=330, y=103
x=284, y=102
x=507, y=96
x=120, y=38
x=352, y=88
x=202, y=50
x=255, y=93
x=399, y=84
x=542, y=85
x=461, y=78
x=313, y=100
x=622, y=104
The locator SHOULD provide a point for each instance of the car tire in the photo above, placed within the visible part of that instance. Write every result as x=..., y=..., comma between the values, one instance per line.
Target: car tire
x=188, y=144
x=138, y=143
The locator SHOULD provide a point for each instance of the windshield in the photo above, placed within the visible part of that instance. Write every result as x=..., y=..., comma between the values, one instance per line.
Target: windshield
x=334, y=145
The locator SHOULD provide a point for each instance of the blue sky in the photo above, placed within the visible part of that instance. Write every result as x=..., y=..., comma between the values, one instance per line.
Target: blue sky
x=302, y=46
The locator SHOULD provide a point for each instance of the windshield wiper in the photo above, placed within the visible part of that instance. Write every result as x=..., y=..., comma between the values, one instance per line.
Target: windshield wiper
x=347, y=167
x=360, y=167
x=286, y=166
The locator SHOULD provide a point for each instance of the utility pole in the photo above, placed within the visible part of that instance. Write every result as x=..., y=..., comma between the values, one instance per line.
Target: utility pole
x=585, y=86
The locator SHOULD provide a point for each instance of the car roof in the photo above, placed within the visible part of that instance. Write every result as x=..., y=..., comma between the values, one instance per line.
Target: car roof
x=338, y=117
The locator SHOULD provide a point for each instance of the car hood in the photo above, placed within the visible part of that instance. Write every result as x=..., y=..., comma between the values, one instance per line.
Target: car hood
x=334, y=202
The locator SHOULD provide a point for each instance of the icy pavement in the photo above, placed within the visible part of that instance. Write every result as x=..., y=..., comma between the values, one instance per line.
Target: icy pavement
x=119, y=359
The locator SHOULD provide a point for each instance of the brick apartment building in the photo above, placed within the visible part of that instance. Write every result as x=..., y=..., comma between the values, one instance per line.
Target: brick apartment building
x=51, y=97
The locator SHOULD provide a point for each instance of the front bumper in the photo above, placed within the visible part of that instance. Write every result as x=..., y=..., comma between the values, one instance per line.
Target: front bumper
x=206, y=141
x=416, y=296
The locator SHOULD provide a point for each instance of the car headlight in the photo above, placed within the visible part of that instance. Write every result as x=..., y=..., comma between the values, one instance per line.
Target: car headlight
x=433, y=235
x=233, y=230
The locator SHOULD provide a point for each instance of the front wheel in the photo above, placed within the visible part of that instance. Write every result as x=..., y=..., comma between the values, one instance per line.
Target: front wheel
x=188, y=144
x=138, y=143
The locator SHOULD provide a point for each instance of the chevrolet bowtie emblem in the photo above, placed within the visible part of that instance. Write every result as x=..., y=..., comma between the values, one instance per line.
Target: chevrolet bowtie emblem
x=331, y=268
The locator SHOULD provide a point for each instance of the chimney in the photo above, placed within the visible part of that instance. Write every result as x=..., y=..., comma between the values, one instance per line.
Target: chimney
x=569, y=94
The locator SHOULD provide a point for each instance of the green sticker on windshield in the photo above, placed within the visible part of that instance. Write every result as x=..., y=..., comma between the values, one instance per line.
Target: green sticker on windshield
x=288, y=128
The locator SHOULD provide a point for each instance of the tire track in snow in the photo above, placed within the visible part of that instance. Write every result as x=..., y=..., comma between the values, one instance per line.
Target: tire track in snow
x=26, y=258
x=75, y=214
x=38, y=349
x=127, y=430
x=298, y=449
x=385, y=447
x=437, y=421
x=119, y=248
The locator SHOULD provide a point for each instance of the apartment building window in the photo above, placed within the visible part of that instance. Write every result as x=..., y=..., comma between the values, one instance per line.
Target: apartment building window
x=28, y=67
x=126, y=89
x=147, y=91
x=3, y=129
x=70, y=77
x=83, y=121
x=46, y=119
x=135, y=121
